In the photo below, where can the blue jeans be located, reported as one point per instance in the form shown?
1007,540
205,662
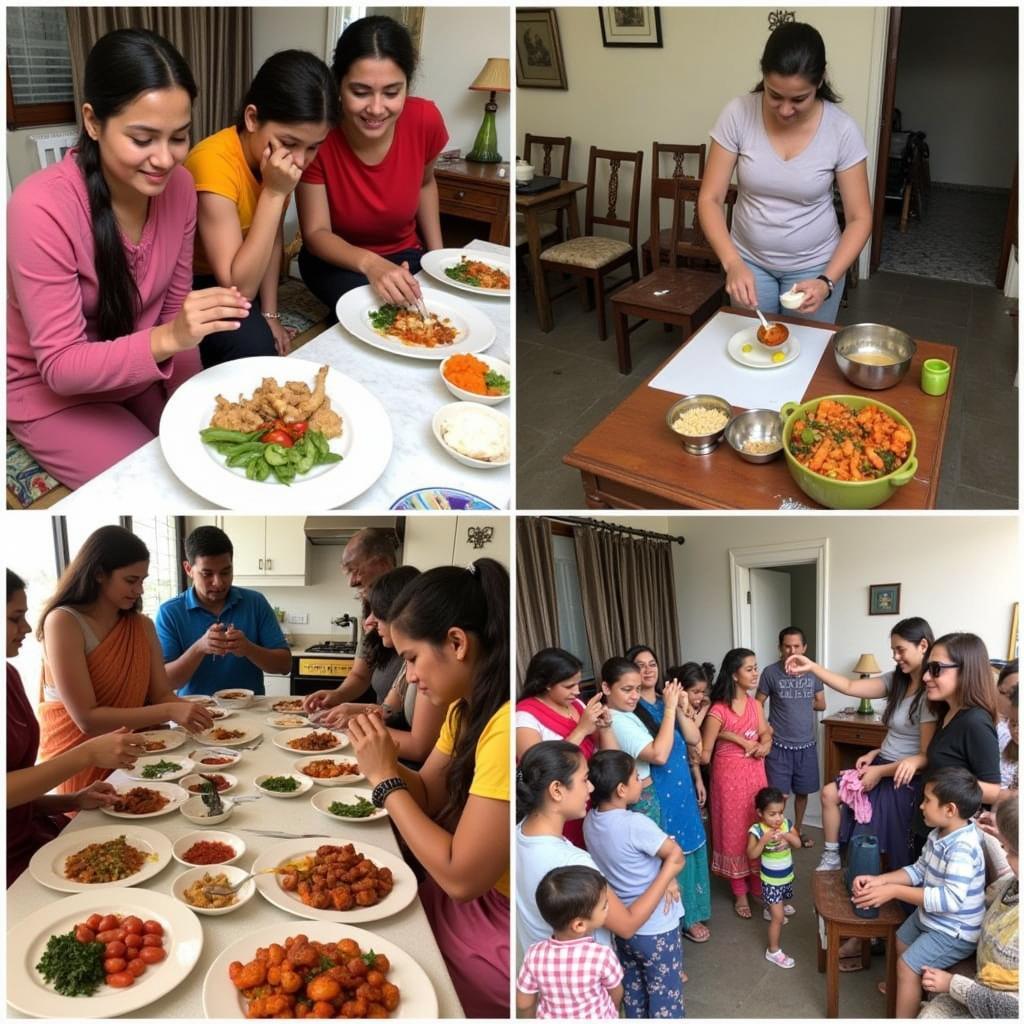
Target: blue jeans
770,285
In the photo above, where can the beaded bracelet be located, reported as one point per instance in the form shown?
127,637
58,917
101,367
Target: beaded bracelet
272,316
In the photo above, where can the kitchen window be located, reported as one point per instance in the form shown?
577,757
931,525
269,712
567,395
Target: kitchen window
163,536
39,88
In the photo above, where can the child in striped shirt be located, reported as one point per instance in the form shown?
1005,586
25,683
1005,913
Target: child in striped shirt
947,883
772,839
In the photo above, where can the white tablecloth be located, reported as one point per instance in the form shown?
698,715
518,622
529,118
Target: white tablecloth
408,929
410,389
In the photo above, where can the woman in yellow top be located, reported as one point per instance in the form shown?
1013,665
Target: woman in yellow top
451,626
245,176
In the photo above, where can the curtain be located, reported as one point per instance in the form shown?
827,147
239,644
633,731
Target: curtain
216,42
410,17
628,594
536,605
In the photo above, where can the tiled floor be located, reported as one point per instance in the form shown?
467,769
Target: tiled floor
569,381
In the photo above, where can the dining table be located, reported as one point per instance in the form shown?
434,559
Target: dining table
632,460
411,391
533,207
408,929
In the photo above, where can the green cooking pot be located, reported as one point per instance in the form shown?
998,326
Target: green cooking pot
846,494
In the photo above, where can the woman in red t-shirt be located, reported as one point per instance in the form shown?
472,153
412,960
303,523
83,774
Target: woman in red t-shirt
368,203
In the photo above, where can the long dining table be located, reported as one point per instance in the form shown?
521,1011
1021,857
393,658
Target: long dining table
408,929
411,391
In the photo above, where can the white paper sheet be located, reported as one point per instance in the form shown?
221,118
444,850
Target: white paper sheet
705,367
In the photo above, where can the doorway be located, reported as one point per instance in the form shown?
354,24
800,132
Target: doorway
945,203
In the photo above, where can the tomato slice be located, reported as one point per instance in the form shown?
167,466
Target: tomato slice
298,429
277,436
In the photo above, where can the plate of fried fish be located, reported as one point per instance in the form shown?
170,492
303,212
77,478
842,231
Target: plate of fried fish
275,433
451,324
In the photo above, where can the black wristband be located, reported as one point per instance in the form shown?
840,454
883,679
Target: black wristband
384,789
828,281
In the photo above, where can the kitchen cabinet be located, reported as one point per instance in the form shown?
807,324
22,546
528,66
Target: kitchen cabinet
269,551
446,540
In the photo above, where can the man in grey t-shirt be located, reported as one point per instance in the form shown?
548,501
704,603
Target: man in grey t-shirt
792,763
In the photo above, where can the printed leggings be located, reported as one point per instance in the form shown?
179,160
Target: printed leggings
653,969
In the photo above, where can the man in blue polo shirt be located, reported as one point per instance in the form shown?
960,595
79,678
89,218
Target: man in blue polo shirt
216,636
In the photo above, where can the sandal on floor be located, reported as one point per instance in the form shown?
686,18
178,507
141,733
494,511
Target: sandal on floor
850,964
806,842
742,910
701,936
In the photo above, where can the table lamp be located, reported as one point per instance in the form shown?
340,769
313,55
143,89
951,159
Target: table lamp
866,667
493,78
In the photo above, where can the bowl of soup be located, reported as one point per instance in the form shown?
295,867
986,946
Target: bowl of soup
873,356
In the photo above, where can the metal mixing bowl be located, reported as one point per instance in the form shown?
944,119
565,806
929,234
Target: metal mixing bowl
873,339
699,444
755,425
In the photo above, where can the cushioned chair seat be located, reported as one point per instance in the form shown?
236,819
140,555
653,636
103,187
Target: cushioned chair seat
587,251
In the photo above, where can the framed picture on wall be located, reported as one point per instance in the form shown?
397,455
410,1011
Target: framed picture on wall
884,599
630,26
539,63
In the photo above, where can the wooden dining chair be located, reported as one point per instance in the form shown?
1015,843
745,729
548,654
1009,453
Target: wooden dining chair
675,296
669,161
591,258
546,143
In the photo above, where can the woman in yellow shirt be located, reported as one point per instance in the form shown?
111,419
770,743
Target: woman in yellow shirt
451,626
245,176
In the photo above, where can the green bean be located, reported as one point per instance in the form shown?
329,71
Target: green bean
212,434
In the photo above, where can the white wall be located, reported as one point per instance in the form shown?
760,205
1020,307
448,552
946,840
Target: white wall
969,110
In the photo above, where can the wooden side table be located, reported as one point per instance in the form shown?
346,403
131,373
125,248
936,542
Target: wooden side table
837,921
847,736
476,192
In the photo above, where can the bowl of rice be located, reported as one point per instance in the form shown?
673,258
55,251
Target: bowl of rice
700,422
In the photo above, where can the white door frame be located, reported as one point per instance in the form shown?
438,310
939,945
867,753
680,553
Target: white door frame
765,556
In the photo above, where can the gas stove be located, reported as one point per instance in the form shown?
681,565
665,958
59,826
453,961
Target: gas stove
332,647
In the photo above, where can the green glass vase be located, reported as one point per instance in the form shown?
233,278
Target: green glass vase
485,148
864,707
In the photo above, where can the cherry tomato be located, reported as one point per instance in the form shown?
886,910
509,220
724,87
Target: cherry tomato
133,941
115,949
121,980
152,940
151,954
85,934
298,429
114,964
153,928
281,437
105,923
94,922
137,967
132,925
111,935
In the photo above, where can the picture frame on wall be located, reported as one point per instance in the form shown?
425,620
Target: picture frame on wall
539,61
884,599
630,26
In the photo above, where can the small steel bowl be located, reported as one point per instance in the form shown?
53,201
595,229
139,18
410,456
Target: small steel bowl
699,444
755,425
873,340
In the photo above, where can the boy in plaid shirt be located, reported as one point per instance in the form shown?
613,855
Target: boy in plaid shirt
947,884
571,976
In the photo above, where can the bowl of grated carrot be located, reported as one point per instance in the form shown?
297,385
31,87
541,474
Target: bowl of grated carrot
477,378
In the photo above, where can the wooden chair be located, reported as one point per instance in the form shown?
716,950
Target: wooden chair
546,143
662,189
591,258
671,295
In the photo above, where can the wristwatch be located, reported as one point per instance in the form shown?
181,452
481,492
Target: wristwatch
384,789
828,281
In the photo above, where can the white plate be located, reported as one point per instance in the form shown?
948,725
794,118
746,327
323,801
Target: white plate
286,720
184,843
341,780
135,772
400,896
200,698
171,738
455,409
218,714
249,733
279,709
222,1000
365,441
437,261
234,875
323,799
177,796
190,780
476,330
198,755
47,863
282,739
757,358
304,781
26,941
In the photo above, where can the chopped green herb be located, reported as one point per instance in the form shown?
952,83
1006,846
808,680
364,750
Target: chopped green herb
362,808
74,968
496,381
280,784
154,771
383,318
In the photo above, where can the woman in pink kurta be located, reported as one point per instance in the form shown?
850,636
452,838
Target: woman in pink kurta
101,324
735,740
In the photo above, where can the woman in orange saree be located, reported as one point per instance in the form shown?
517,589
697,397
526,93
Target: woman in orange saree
103,667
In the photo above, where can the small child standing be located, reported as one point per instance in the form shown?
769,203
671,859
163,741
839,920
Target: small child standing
947,883
772,839
631,850
571,976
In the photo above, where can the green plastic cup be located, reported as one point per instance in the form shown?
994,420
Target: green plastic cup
935,376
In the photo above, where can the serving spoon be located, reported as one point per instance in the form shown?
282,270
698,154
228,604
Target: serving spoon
764,323
230,890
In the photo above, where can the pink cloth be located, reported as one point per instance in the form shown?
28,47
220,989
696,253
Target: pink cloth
735,780
55,358
852,793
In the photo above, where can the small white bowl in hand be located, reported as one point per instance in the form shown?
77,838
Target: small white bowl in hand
189,839
498,365
792,299
305,784
196,811
234,875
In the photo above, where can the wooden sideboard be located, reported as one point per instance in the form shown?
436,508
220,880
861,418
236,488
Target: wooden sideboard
847,736
476,192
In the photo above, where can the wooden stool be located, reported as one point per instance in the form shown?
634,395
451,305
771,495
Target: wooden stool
835,911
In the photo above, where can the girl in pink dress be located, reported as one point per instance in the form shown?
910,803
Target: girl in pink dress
735,740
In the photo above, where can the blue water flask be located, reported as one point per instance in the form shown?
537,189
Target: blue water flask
863,857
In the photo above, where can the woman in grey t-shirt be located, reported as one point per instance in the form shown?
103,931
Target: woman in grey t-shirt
787,141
